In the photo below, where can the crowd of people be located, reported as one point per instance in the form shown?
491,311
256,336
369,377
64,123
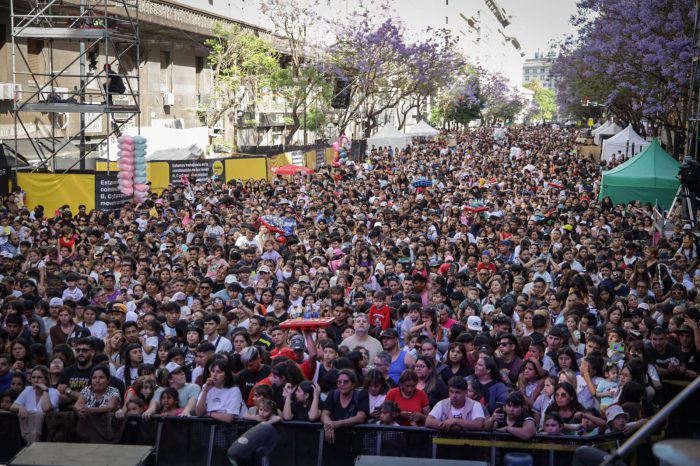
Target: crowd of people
471,287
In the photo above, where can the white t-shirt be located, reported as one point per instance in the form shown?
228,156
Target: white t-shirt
224,400
151,358
134,371
444,410
221,344
27,399
97,329
75,295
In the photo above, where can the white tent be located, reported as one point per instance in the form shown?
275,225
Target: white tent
611,129
389,136
423,129
626,141
168,143
601,127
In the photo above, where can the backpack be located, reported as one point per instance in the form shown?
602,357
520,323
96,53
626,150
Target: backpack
116,84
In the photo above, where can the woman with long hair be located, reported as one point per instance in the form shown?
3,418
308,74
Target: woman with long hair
412,401
457,364
113,347
220,398
566,405
429,381
132,357
376,386
487,373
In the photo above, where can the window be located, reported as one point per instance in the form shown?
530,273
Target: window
165,69
34,49
198,67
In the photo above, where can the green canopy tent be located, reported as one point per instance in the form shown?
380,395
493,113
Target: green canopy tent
650,176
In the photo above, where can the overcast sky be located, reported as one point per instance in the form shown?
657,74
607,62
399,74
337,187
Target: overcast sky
536,22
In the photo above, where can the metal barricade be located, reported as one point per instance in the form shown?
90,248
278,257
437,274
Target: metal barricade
204,441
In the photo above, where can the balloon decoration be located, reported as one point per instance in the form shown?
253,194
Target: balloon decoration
132,167
141,187
342,150
125,162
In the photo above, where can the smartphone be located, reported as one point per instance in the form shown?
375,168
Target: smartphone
236,302
617,347
499,406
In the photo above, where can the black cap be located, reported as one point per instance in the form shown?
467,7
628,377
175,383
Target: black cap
389,333
620,331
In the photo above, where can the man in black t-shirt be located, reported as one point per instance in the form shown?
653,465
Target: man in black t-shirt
689,353
254,371
76,377
666,357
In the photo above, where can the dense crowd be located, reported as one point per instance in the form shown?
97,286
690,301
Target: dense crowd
472,286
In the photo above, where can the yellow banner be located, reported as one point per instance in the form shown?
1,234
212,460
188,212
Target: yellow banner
55,190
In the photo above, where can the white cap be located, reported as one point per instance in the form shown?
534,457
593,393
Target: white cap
179,296
474,323
56,302
230,279
172,367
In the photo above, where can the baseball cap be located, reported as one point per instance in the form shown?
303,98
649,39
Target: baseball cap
230,279
297,343
173,367
56,302
686,329
117,307
389,333
179,296
474,323
264,269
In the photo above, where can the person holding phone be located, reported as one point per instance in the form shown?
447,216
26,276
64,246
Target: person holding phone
513,418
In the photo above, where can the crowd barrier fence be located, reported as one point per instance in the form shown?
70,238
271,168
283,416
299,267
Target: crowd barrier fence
204,441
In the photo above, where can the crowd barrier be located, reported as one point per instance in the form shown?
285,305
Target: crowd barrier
203,441
99,189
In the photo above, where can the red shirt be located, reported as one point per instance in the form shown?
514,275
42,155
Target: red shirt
415,404
380,317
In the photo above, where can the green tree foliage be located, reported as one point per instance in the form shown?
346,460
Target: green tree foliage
299,82
545,100
242,65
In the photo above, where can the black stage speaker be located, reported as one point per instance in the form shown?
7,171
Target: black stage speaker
401,461
78,454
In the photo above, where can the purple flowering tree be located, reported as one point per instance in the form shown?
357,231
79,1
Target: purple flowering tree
384,68
634,56
500,101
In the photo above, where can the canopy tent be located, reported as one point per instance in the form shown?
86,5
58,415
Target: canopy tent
423,129
389,136
601,127
610,130
648,177
626,141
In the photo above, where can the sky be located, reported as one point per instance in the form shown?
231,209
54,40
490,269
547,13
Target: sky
535,28
533,22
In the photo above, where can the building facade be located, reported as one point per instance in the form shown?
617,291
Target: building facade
540,68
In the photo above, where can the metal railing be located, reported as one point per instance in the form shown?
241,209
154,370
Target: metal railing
654,424
204,441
